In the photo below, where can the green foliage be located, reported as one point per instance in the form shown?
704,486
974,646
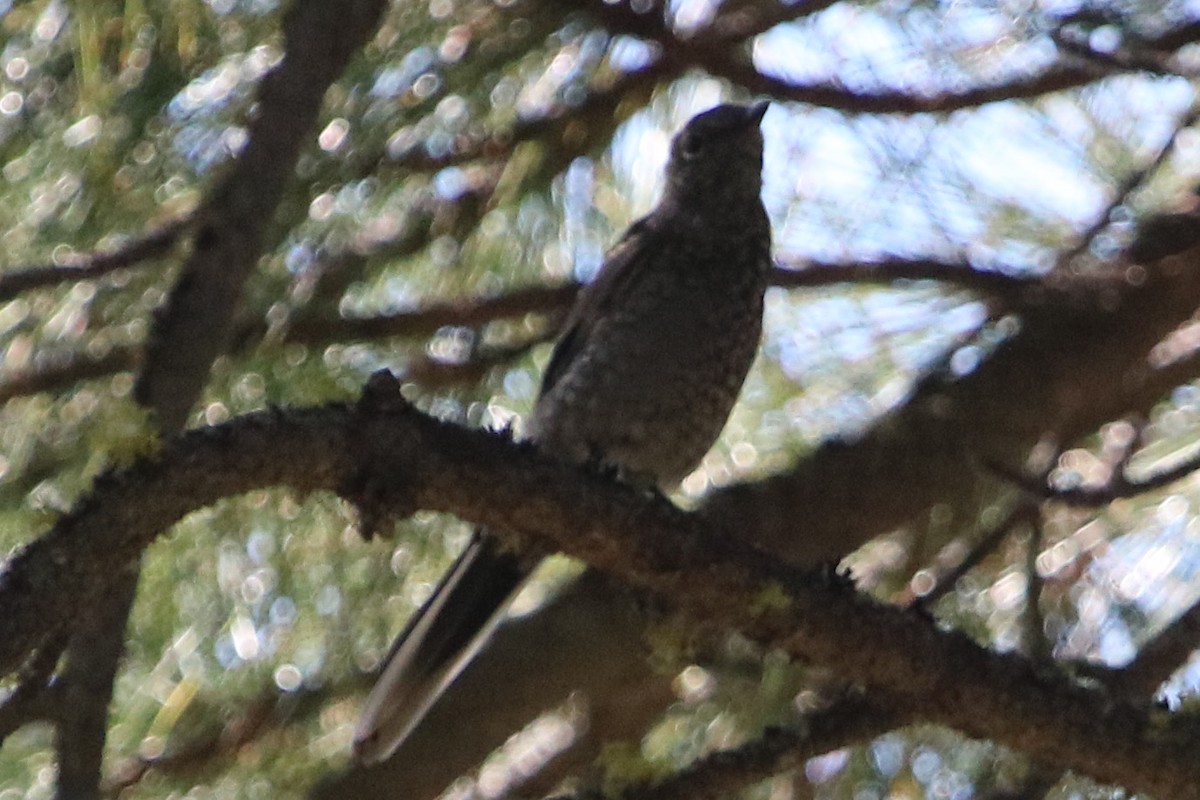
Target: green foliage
118,117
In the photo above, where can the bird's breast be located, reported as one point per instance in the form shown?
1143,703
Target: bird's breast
654,383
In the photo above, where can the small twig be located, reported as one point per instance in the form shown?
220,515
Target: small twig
1033,623
58,373
1156,661
431,373
601,104
1118,488
730,63
740,21
795,273
1126,187
850,720
35,697
92,265
1022,512
1122,59
271,711
471,312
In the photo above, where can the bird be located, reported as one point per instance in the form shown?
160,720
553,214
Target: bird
641,381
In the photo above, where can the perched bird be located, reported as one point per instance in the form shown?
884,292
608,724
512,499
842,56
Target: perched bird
649,364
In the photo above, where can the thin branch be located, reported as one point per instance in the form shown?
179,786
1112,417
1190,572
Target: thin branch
1156,660
326,282
1021,513
848,721
432,374
832,96
791,272
1118,488
59,372
1127,186
1033,623
272,711
1122,59
600,106
35,697
466,313
725,60
93,265
1174,38
741,21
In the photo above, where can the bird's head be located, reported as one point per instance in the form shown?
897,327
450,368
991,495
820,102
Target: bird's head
718,154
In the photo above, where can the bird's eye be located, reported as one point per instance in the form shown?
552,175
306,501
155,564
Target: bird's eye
692,145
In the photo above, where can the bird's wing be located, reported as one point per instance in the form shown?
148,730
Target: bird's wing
638,244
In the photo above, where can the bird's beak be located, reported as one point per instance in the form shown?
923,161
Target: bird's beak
754,113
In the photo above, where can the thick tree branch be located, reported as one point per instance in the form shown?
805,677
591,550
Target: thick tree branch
401,460
1079,360
192,329
86,686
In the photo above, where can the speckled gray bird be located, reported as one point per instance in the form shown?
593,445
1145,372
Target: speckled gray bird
643,378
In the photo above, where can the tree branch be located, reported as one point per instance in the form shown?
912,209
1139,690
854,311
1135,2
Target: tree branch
400,460
271,711
1020,513
192,328
724,59
56,372
1118,488
797,273
1080,358
622,692
85,267
1122,191
598,110
61,371
467,313
848,721
1156,661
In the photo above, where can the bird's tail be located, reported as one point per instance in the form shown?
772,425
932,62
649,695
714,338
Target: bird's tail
437,643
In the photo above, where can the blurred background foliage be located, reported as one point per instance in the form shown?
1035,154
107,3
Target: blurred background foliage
478,147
